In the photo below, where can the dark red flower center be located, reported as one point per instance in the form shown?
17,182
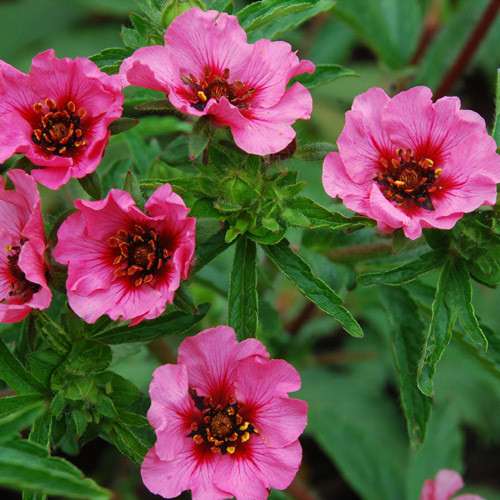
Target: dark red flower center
58,130
407,180
214,85
139,254
20,286
221,427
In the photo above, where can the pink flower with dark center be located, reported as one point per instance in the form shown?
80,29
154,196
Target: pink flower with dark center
23,281
225,425
123,262
410,163
207,68
57,115
446,484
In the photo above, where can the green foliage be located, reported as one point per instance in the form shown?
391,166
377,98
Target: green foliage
312,287
25,465
325,73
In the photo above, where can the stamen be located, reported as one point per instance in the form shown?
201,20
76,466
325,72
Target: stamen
138,255
59,131
221,427
406,180
215,85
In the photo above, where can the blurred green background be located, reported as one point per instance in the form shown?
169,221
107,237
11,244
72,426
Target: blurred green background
356,445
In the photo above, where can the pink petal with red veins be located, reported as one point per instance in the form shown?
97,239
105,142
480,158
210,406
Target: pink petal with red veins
337,182
148,67
364,140
200,38
263,387
170,478
211,359
268,130
268,69
170,408
261,468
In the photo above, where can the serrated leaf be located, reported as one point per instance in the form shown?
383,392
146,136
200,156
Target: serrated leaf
26,466
320,217
18,413
452,303
242,303
13,373
271,18
56,336
408,339
110,57
312,287
133,186
128,440
174,323
324,74
405,273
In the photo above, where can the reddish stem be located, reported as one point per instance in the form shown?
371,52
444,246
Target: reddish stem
469,48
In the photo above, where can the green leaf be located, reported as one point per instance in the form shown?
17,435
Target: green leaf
390,28
272,18
13,373
174,323
312,287
87,357
359,430
242,307
132,185
207,250
199,138
314,152
18,413
452,303
220,5
442,450
496,127
408,339
320,217
26,466
131,441
406,272
325,73
42,430
111,58
91,184
122,125
57,337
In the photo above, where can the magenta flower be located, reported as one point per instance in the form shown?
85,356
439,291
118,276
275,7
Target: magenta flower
410,163
23,281
122,262
446,484
207,68
57,115
225,425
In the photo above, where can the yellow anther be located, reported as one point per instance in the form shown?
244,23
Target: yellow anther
202,96
438,171
245,426
230,449
245,437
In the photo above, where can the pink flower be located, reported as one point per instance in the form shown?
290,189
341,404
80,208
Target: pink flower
207,68
57,115
446,484
23,282
225,425
122,262
410,163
